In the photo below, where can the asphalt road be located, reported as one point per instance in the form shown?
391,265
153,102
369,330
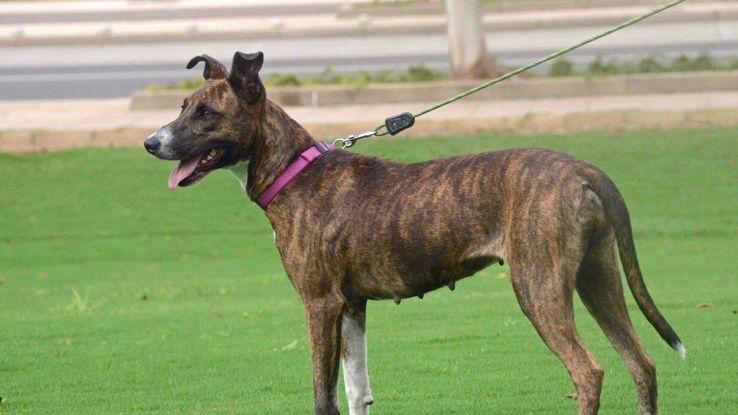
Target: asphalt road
97,71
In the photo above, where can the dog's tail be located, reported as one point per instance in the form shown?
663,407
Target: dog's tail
619,218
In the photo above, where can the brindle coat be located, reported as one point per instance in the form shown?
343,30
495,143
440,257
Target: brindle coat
352,228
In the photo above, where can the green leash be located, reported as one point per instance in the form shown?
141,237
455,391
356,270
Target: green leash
397,123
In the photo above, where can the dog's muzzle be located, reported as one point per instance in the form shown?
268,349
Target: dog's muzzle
159,143
152,144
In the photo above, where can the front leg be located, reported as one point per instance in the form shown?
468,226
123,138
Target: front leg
353,356
324,324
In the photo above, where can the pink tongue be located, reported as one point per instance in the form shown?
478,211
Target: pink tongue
183,171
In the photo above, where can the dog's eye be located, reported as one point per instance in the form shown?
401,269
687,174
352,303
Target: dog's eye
205,112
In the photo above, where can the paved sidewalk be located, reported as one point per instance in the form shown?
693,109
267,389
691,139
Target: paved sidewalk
39,126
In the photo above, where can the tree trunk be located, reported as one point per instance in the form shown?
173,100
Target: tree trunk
467,48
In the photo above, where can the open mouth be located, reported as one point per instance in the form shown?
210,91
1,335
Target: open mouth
192,170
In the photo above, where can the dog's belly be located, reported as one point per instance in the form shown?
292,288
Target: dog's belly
399,275
432,231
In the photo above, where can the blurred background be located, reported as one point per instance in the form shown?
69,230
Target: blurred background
123,61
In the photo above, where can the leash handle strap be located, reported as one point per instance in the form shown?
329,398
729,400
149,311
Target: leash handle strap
302,162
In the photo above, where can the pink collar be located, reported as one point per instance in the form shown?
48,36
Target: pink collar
305,159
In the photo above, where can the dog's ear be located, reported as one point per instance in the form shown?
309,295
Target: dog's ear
213,68
244,77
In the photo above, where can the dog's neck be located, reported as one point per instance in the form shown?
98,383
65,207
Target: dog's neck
280,142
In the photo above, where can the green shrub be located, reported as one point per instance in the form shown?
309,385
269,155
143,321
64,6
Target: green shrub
601,67
650,65
282,80
681,63
561,67
186,84
704,62
420,73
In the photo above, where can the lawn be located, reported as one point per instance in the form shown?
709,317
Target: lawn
119,296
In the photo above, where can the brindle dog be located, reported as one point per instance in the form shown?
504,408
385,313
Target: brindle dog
352,228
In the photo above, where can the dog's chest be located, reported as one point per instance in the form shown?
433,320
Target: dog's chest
241,171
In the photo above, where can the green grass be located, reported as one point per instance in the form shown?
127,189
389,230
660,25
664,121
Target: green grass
119,296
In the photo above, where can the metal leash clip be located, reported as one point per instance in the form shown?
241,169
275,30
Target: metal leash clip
350,140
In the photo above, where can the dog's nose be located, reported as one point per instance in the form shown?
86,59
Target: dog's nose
152,144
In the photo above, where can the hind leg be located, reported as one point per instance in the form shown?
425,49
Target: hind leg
601,291
546,298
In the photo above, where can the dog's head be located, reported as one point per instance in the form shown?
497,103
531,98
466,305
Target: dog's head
219,122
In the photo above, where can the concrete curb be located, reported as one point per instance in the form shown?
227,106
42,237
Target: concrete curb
42,141
527,88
